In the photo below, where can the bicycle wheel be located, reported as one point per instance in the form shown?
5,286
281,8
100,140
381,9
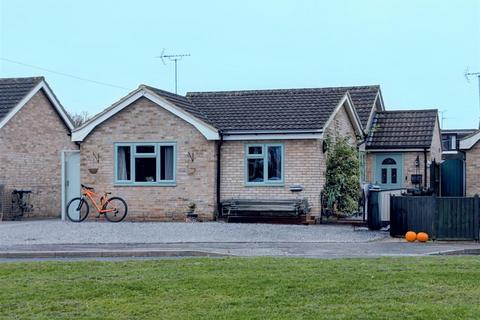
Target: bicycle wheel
77,210
118,208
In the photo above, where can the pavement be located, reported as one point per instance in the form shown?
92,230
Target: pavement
56,240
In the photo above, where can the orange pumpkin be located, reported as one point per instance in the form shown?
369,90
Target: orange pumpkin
410,236
422,237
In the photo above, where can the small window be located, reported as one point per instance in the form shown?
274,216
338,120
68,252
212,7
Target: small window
394,175
123,163
145,169
384,175
166,162
252,150
264,164
274,163
388,161
255,170
145,149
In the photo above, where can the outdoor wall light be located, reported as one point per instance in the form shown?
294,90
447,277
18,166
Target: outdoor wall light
417,162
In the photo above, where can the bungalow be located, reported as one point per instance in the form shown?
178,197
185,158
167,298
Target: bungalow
161,151
34,130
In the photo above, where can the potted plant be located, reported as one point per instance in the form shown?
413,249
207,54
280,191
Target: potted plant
191,215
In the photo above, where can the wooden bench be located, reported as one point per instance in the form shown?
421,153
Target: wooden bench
249,208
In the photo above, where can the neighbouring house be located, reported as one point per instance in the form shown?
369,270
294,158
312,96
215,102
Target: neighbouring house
34,130
401,146
470,149
161,151
453,162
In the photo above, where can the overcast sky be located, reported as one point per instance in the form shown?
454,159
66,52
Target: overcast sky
416,50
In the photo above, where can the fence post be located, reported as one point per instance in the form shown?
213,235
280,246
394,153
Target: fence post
436,217
476,217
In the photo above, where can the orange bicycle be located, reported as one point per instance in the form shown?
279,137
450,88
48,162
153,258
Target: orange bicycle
115,208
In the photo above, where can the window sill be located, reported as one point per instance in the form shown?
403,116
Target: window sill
262,184
166,184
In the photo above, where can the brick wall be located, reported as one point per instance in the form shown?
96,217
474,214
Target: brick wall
144,121
304,165
472,170
30,156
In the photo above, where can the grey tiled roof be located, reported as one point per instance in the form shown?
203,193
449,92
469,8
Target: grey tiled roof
402,129
12,90
179,101
281,109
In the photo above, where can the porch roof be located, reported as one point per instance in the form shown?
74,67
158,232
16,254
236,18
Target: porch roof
402,129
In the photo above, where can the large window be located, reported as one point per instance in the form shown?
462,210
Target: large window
264,164
145,163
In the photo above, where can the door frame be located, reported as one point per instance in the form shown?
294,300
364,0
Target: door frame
64,171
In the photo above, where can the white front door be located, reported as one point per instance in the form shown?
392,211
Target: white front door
71,178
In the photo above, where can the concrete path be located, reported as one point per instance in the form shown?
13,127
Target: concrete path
63,240
326,250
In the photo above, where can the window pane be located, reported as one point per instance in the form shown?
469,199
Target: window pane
255,170
384,175
166,162
123,163
255,150
145,169
145,149
275,163
389,161
394,175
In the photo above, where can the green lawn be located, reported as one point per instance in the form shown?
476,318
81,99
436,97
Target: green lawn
243,288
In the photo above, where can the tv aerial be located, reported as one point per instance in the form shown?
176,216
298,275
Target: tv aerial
175,58
468,75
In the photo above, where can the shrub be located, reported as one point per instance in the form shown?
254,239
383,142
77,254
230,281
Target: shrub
342,185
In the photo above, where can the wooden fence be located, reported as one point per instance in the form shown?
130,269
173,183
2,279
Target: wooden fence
443,218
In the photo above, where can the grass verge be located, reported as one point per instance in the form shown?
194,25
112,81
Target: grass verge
243,288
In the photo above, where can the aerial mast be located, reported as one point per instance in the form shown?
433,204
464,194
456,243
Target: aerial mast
175,58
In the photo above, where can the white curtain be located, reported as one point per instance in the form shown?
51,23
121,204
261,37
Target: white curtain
168,162
122,164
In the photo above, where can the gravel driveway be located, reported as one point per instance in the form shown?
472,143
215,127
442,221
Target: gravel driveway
58,232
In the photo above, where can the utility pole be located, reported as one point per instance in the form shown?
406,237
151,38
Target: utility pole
174,58
475,74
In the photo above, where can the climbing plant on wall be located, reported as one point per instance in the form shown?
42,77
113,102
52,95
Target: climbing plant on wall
342,184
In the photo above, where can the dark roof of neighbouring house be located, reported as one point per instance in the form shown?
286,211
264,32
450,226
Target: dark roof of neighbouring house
13,90
402,129
461,133
280,109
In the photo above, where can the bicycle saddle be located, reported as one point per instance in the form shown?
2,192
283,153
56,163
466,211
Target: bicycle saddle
88,188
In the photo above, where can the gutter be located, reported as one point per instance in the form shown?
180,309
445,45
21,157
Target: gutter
219,171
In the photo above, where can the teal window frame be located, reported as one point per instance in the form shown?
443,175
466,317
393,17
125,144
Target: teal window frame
264,156
134,155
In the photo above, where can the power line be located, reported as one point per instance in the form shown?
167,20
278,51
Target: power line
65,74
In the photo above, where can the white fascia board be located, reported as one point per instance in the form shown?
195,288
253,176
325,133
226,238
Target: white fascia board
286,131
469,142
399,150
279,136
352,113
207,131
51,97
